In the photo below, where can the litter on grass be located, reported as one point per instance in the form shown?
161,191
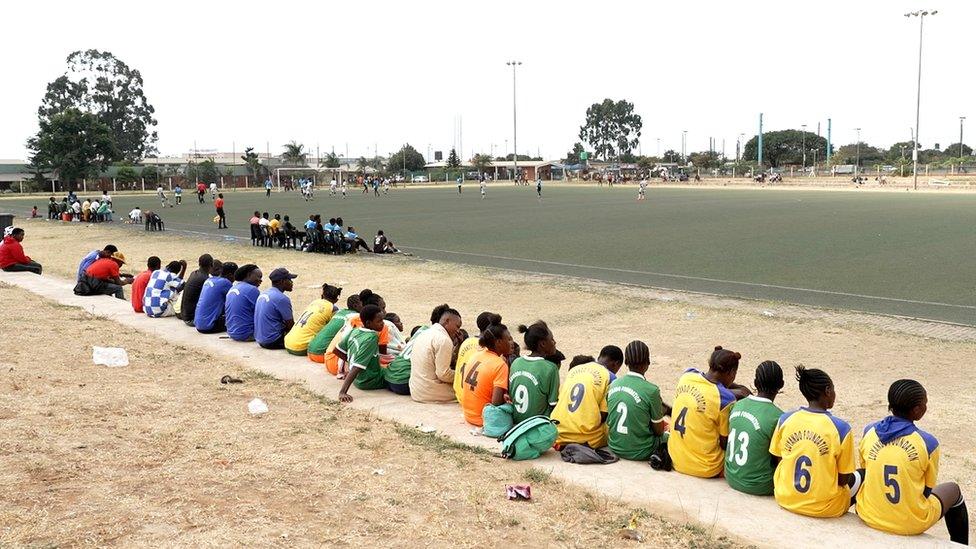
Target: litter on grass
426,428
257,407
518,492
113,357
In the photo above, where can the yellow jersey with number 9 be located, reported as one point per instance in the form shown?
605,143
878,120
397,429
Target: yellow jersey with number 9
699,416
582,401
815,447
901,466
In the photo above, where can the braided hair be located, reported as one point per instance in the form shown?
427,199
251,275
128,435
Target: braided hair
491,334
769,377
723,360
813,382
535,333
903,395
637,353
486,319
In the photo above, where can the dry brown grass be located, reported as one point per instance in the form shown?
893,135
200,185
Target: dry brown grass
160,453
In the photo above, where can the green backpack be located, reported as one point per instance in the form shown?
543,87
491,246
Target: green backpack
497,420
531,438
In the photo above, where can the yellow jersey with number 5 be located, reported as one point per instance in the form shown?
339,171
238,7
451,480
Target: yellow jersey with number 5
815,447
699,417
582,401
901,466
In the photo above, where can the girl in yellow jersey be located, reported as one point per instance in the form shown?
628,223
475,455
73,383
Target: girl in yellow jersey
815,475
581,410
901,465
700,415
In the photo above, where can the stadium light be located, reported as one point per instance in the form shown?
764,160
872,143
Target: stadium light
857,156
961,120
803,141
514,64
918,90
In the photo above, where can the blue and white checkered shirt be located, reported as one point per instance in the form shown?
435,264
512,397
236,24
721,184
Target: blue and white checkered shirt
162,285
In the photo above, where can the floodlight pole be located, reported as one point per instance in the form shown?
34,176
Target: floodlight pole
918,91
803,141
961,120
857,154
759,153
514,64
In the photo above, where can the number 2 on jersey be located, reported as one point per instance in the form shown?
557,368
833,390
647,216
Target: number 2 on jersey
622,410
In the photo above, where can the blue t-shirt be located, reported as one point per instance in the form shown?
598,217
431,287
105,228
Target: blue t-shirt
86,262
328,227
211,303
271,311
239,311
310,224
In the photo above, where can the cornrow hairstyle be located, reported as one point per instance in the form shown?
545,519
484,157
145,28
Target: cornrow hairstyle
486,319
369,313
723,360
769,377
813,382
491,334
903,395
438,312
354,303
369,298
535,334
580,359
244,271
637,353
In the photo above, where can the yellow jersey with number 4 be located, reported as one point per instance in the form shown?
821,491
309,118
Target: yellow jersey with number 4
699,417
582,401
815,448
901,466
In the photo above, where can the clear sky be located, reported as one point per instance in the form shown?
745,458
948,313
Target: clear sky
371,74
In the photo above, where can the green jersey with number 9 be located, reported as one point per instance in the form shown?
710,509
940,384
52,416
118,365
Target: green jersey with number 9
633,403
533,383
748,463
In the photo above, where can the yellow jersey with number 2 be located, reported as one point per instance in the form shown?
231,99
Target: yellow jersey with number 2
582,401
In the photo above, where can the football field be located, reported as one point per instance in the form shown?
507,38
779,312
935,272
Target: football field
910,254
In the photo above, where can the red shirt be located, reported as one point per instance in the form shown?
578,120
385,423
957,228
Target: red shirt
12,252
103,269
139,284
201,187
219,203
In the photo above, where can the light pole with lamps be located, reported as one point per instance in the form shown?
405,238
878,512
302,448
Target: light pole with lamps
961,120
514,64
857,154
684,141
918,90
803,141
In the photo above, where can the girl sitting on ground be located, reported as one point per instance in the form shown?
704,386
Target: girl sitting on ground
533,381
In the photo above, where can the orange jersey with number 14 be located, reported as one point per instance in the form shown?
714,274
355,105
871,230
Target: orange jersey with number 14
484,371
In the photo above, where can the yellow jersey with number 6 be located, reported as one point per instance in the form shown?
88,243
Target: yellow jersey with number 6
582,401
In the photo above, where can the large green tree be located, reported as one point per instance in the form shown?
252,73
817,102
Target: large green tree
611,127
97,82
453,161
785,147
481,162
73,144
573,156
406,158
294,153
852,154
330,161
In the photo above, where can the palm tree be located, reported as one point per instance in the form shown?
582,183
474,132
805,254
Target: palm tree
294,153
362,164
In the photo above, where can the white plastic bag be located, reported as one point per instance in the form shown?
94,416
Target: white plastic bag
257,407
113,357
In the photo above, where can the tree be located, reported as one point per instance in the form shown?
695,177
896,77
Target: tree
573,156
704,159
453,161
97,82
74,144
362,164
785,147
205,171
126,174
672,156
850,154
511,156
952,150
330,161
294,154
406,158
150,173
481,162
900,151
253,164
611,127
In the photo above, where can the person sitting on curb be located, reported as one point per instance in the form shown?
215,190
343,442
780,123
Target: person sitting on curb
12,256
92,256
141,280
239,303
163,290
194,285
209,317
102,277
272,312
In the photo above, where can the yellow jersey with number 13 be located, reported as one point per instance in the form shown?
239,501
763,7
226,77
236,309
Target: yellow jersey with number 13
582,401
815,447
699,417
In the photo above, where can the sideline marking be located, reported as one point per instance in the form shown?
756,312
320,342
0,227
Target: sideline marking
700,278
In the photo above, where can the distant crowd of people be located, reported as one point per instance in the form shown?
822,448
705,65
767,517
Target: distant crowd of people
72,208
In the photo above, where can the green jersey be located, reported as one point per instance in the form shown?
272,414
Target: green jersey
533,383
362,349
321,341
748,464
398,371
633,404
